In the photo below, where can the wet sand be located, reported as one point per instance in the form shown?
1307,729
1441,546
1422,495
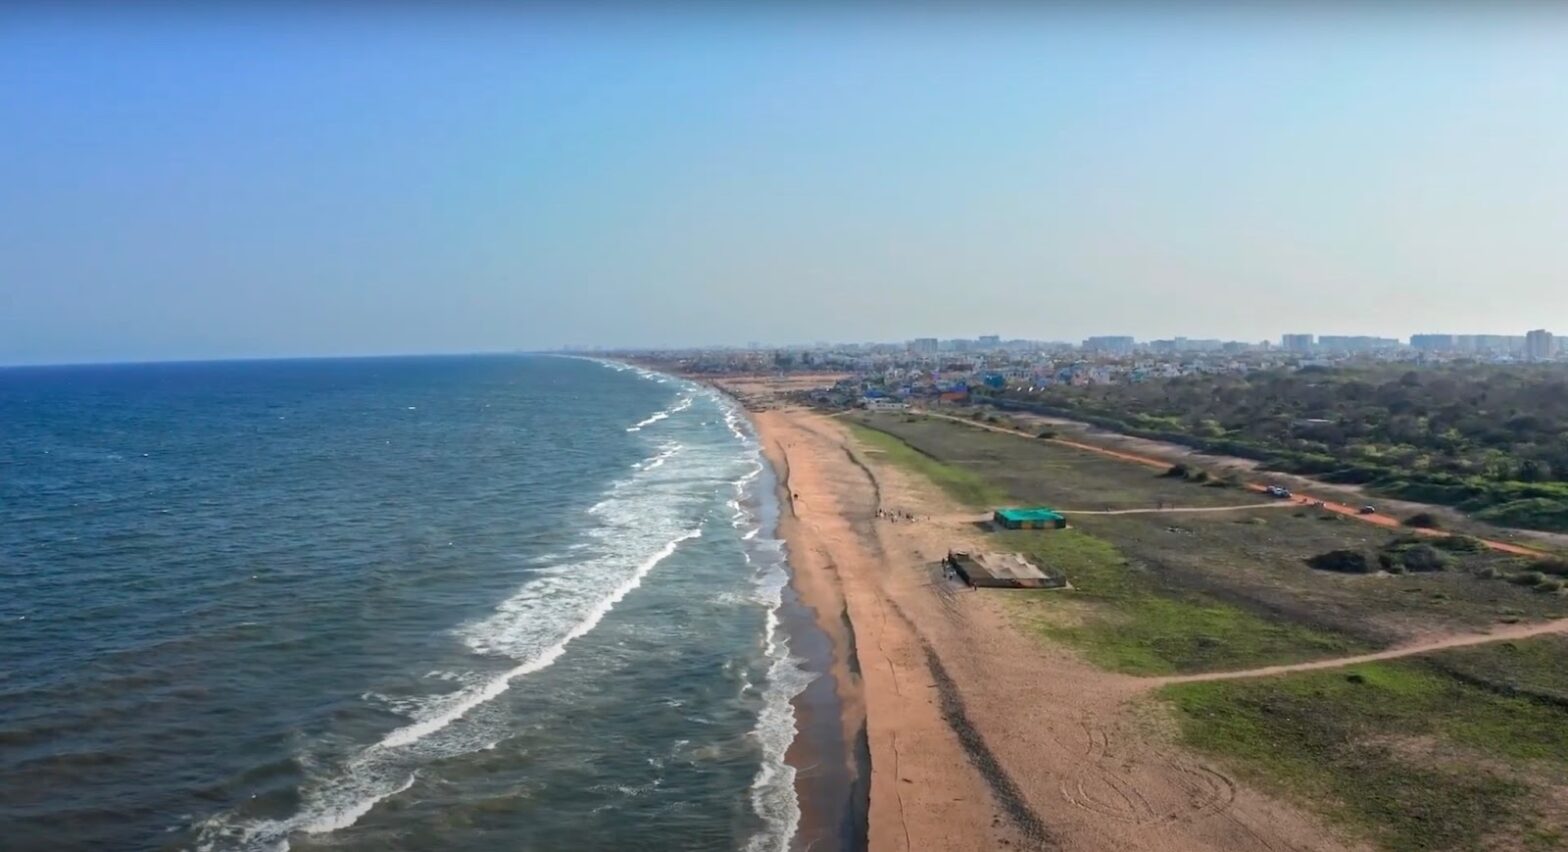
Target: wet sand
978,734
829,751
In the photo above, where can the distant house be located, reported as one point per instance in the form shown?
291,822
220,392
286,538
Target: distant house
882,403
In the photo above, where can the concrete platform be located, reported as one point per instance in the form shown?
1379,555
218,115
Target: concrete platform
1003,571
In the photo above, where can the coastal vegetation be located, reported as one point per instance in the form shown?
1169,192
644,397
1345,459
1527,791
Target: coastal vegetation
1256,560
1462,749
1034,471
962,485
1487,439
1449,752
1122,620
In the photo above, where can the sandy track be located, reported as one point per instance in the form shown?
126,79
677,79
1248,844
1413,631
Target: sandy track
974,518
1181,509
1430,646
1300,498
981,736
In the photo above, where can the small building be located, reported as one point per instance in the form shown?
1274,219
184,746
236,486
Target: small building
1002,571
882,403
1029,518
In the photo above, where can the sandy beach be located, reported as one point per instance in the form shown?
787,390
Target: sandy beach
980,735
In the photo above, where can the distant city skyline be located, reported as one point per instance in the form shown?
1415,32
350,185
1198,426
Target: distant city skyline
255,182
1534,343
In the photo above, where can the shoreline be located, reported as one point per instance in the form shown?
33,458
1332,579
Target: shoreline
970,730
977,734
829,752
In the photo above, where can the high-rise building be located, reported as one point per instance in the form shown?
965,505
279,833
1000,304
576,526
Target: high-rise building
1434,342
1540,345
1499,344
990,341
923,345
1113,344
1296,342
1355,343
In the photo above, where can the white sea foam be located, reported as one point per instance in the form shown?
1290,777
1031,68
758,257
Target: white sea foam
665,453
654,418
773,790
639,522
345,817
493,633
683,404
642,521
375,774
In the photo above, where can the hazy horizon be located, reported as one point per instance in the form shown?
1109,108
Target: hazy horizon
185,186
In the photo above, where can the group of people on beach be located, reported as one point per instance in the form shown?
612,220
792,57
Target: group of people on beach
895,517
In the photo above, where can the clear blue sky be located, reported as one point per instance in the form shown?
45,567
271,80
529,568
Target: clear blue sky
258,184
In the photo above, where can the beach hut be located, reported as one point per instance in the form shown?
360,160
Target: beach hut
1029,518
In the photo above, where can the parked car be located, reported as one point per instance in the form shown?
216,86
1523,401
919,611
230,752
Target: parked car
1367,510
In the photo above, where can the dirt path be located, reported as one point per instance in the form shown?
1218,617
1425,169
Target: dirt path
981,736
980,518
1340,508
1427,646
1181,509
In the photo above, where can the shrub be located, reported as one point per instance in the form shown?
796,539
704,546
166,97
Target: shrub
1046,434
1460,544
1422,520
1424,558
1557,567
1527,578
1200,476
1486,572
1177,471
1536,513
1549,585
1342,561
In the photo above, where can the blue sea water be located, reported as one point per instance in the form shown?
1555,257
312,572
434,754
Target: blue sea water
441,603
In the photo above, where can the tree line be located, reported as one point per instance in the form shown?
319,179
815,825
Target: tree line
1489,439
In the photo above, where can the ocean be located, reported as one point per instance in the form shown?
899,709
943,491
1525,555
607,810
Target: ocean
501,602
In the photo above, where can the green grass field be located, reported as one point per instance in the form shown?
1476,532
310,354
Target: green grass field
1464,750
1033,471
1402,752
965,486
1122,619
1252,561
